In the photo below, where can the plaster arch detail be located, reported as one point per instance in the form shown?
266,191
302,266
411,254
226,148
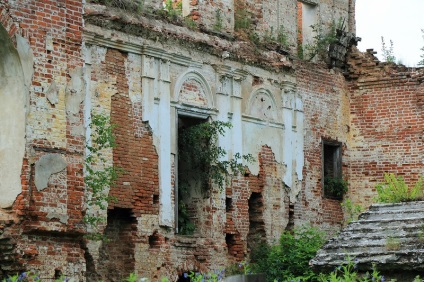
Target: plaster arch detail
262,105
192,88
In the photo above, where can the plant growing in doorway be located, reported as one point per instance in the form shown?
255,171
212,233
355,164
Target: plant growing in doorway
204,165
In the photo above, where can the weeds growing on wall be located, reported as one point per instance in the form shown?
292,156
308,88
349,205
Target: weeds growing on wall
218,21
199,146
335,187
421,63
351,211
395,190
127,5
204,162
98,176
387,51
280,37
174,10
320,42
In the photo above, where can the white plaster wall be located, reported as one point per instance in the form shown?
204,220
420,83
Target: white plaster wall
257,135
310,17
13,97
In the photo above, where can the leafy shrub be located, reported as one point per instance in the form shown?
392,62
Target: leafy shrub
290,258
387,52
348,273
395,190
335,187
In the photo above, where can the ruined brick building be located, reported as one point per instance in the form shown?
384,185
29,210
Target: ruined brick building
154,66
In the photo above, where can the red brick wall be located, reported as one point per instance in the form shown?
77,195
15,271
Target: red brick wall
387,124
62,22
326,117
138,186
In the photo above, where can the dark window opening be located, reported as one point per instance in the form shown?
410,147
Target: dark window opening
117,252
190,184
155,240
334,185
256,233
228,204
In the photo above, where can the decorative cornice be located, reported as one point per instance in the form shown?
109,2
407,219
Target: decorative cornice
93,38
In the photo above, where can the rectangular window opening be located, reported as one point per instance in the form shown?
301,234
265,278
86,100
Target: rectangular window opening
334,185
307,18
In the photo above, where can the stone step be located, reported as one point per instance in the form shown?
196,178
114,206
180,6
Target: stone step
397,207
386,242
392,215
388,234
370,226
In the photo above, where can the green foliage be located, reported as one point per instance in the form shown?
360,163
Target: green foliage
348,273
174,11
190,23
242,20
199,148
417,279
203,160
350,211
421,63
290,258
387,52
335,187
218,20
127,5
280,37
185,225
99,177
131,278
392,243
395,190
320,42
212,276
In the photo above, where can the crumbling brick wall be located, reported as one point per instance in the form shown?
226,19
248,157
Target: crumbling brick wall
143,72
326,105
44,238
387,123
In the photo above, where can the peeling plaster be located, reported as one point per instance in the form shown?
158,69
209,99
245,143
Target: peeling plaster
74,96
75,91
51,94
45,167
15,76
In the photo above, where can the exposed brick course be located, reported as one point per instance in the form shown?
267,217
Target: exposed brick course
129,67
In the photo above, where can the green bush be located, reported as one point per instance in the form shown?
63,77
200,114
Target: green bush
335,187
395,190
290,258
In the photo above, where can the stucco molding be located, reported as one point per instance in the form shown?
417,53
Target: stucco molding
93,38
195,75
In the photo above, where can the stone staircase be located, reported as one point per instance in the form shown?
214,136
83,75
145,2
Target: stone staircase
391,236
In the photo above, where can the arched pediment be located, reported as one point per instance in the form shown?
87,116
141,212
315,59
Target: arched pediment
262,105
192,89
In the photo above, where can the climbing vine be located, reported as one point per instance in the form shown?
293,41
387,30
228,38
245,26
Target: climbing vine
199,147
99,177
204,165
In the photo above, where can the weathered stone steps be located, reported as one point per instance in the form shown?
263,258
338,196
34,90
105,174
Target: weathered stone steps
390,235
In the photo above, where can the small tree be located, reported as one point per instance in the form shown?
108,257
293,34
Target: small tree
388,55
421,63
